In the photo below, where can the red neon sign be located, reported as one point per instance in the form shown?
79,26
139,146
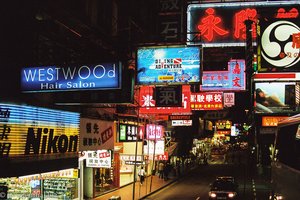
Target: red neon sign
147,102
210,25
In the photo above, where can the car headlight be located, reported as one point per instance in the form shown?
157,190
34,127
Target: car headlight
212,195
231,194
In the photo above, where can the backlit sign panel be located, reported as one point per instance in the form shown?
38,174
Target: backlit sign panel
276,97
207,101
98,159
280,45
130,133
232,79
148,104
27,130
57,78
96,134
154,131
173,65
272,120
223,24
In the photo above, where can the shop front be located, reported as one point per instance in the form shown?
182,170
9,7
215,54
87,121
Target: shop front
39,158
62,184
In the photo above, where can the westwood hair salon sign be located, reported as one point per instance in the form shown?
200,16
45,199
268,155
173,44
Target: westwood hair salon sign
86,77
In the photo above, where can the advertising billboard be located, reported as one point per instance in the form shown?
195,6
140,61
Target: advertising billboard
223,24
86,77
276,97
173,65
27,130
234,78
280,44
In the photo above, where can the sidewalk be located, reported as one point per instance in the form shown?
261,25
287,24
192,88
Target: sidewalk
126,192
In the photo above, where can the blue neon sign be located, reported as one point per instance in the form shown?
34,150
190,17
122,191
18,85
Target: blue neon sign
86,77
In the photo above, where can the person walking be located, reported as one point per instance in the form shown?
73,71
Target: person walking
161,167
141,174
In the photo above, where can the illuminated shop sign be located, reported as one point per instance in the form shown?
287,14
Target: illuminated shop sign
148,104
272,120
154,131
182,122
27,130
130,133
96,134
232,79
280,45
168,96
223,125
164,156
224,23
99,159
276,97
207,101
174,65
56,78
154,147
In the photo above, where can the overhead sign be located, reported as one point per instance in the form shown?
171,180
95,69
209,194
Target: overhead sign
272,120
223,24
27,130
173,65
130,133
276,97
154,131
280,45
147,102
99,159
96,134
207,101
168,96
232,79
182,122
57,78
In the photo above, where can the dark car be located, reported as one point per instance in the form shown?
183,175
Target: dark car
223,188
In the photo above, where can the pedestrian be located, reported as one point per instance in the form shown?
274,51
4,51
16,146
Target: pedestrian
161,167
141,174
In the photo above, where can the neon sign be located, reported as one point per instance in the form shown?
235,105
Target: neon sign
56,78
223,24
232,79
207,101
148,103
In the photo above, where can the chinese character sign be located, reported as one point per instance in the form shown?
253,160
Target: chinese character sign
232,79
148,104
224,23
98,159
207,101
154,131
96,134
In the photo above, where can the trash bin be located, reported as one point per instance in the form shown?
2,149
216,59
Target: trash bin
115,198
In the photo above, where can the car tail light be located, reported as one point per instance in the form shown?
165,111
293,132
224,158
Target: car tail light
212,195
231,194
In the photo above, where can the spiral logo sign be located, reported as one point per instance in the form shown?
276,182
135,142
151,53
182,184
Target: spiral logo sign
278,44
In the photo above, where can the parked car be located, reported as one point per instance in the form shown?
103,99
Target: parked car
223,187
